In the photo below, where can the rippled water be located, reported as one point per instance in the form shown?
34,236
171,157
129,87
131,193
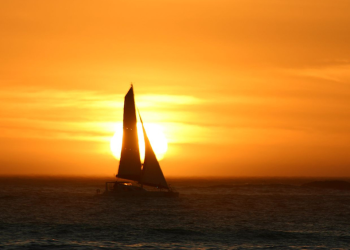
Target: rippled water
62,213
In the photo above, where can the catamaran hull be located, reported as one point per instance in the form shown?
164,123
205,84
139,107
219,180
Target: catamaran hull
142,194
126,189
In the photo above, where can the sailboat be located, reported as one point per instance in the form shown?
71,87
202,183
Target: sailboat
147,174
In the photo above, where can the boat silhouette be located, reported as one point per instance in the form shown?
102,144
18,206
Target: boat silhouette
133,176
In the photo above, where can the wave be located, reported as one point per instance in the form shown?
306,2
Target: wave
237,186
177,231
7,197
330,184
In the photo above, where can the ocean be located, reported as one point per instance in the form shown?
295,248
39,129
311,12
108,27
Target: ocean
231,213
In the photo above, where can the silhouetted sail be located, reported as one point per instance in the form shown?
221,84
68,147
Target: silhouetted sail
152,174
130,163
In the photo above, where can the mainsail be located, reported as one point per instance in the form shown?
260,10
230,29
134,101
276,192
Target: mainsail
152,174
130,163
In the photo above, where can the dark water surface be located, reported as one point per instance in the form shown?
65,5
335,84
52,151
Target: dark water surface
62,213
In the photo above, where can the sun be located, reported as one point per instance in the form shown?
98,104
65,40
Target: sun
155,134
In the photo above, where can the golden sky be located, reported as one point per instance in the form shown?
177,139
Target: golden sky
241,88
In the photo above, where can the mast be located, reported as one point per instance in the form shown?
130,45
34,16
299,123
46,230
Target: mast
130,163
152,174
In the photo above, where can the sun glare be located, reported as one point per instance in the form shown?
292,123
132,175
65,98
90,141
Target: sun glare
155,135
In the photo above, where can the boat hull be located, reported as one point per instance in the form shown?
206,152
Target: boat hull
142,194
125,189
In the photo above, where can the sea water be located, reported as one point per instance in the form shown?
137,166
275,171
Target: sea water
237,213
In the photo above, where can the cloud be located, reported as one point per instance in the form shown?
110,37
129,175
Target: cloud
339,73
76,115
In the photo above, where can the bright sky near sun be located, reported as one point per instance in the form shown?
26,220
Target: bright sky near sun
239,88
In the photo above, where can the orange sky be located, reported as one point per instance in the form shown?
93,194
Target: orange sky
241,88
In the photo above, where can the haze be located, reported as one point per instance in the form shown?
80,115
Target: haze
241,88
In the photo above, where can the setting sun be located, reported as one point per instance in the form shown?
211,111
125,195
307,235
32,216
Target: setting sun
155,134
